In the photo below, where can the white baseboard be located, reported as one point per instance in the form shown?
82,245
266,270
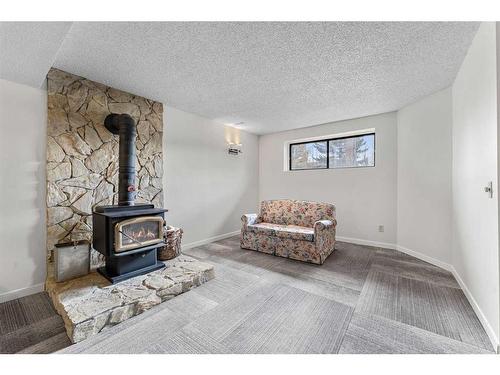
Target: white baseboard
482,318
18,293
359,241
475,306
425,258
209,240
4,297
479,313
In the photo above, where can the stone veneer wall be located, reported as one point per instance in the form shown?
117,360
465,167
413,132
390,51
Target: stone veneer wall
82,155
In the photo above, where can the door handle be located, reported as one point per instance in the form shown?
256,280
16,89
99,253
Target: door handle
489,189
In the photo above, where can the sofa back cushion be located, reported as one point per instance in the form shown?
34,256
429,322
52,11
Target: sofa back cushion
293,212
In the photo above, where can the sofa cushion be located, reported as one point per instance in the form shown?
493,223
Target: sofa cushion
284,231
293,212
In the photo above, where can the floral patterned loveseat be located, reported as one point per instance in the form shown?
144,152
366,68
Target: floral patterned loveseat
292,229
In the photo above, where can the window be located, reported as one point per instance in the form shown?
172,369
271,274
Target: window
344,152
310,155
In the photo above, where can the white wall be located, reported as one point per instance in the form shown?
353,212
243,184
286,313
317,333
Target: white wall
424,176
23,113
475,215
365,197
207,190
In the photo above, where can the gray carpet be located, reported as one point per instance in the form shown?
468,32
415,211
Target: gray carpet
362,300
371,334
31,325
432,307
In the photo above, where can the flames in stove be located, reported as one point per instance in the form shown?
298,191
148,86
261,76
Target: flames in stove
138,232
141,235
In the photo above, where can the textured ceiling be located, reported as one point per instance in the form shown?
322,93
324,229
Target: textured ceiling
271,76
28,50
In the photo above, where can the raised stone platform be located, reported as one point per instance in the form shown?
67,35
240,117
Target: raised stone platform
90,303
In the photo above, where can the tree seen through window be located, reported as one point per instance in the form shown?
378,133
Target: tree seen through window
346,152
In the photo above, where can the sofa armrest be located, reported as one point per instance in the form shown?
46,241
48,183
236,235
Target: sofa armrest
324,224
324,237
248,219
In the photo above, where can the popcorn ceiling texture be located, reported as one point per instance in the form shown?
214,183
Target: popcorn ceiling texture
274,76
82,155
29,49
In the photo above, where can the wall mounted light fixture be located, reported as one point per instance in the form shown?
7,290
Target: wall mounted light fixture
234,149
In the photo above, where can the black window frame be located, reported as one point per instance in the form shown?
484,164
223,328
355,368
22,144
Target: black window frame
327,140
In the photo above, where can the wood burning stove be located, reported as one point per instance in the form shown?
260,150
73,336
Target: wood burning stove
128,235
126,258
138,232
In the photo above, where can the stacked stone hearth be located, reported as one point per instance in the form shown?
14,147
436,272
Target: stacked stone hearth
82,155
82,172
89,304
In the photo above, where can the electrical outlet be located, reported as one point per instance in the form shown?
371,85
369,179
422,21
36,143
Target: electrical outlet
380,228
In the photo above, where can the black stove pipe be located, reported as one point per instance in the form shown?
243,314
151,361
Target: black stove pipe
124,125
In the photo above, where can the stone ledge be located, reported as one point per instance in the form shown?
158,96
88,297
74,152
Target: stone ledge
90,303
